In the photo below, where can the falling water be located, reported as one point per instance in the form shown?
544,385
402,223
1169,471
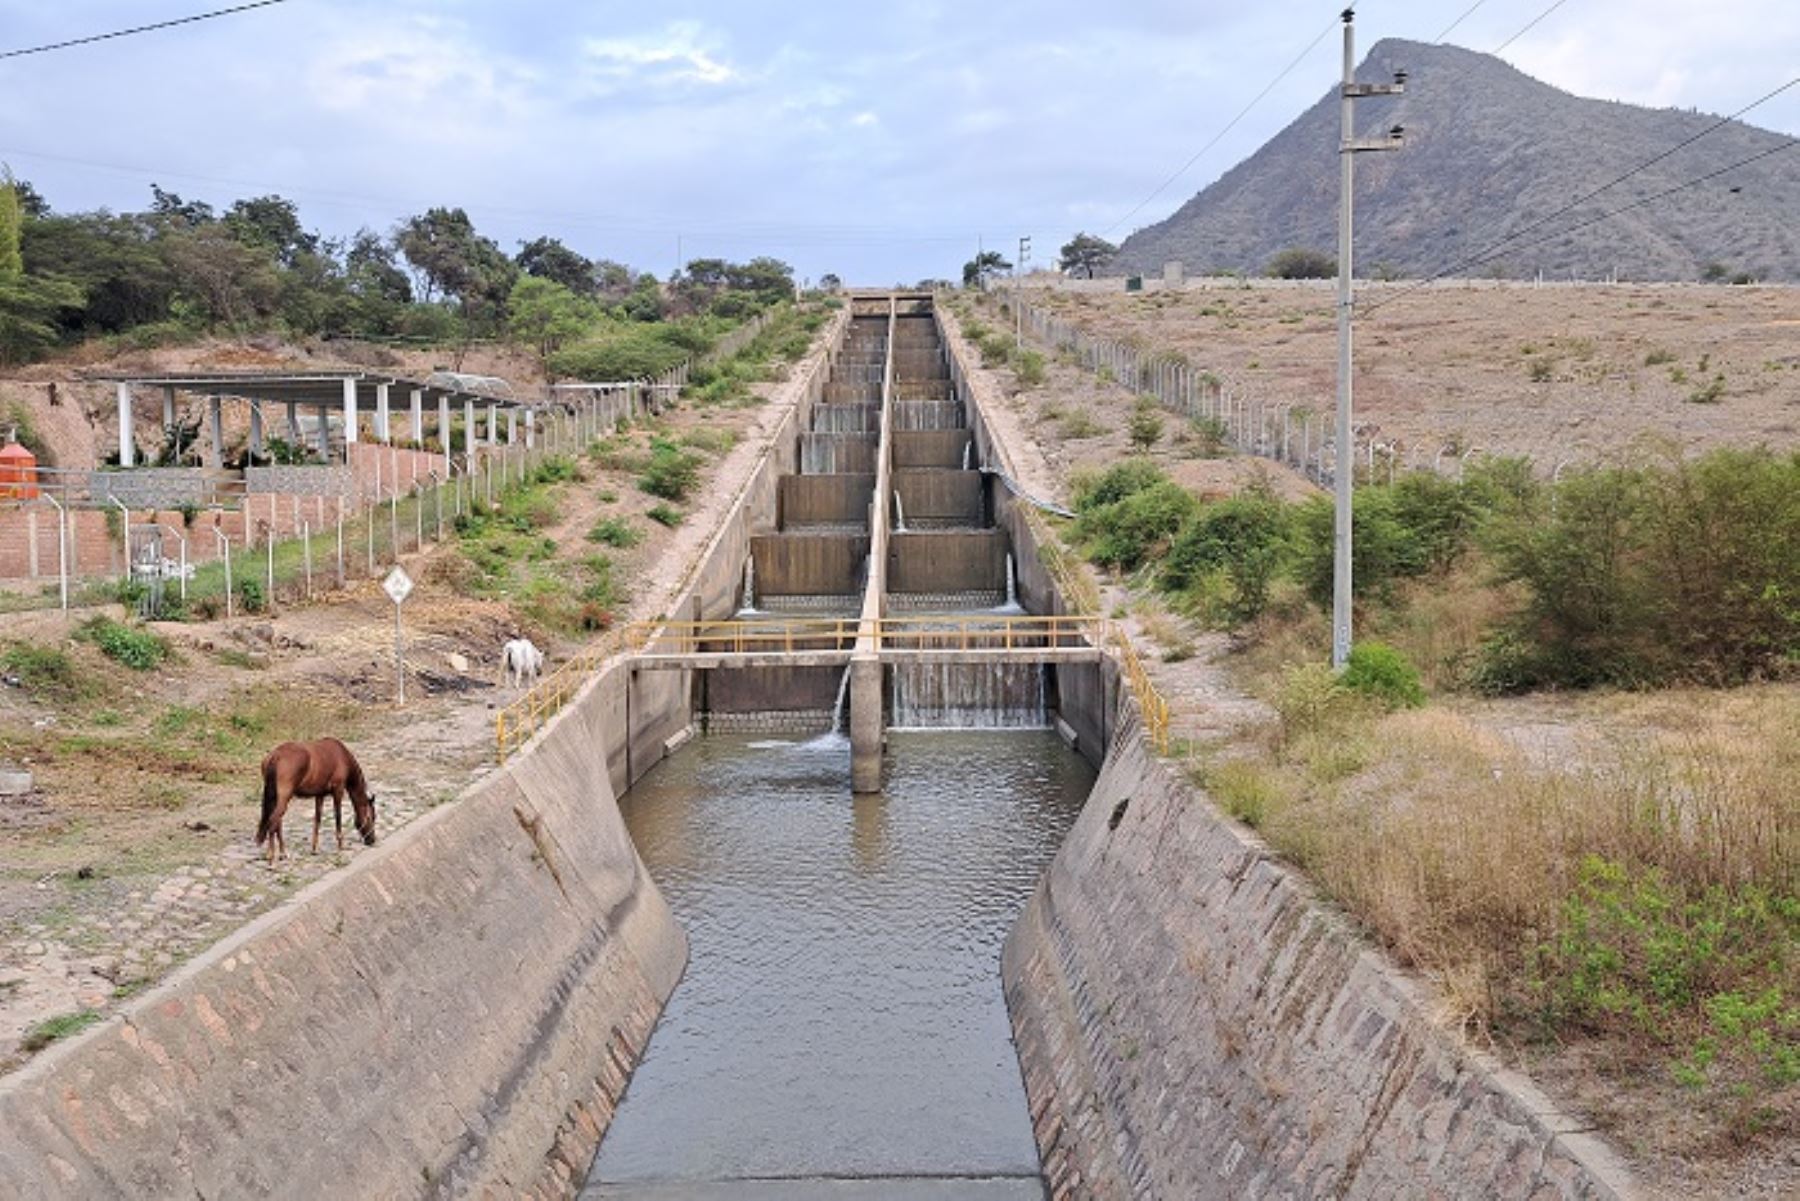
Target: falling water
968,449
837,709
969,696
899,514
749,584
1012,584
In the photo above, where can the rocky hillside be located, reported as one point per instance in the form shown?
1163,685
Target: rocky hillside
1490,150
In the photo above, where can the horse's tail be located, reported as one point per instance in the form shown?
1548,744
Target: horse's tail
267,825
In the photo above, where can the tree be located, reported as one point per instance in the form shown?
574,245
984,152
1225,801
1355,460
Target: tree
116,262
170,209
771,280
1297,262
983,267
31,201
273,224
12,227
829,282
548,258
545,315
1086,253
232,283
28,306
1146,424
451,259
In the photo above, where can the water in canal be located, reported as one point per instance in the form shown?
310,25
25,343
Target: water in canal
840,1031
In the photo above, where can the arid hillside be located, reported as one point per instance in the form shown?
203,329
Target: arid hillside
1558,373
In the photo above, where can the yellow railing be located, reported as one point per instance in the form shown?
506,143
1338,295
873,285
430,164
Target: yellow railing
989,632
1152,708
516,723
743,636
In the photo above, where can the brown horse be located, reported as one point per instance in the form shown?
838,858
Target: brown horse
320,769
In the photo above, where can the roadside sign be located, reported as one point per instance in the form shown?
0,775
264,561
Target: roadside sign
398,585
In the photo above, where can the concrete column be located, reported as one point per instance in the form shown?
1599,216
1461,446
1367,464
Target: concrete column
383,428
530,428
349,416
416,431
256,429
127,443
215,432
444,425
169,418
468,427
493,425
324,435
512,426
865,723
293,408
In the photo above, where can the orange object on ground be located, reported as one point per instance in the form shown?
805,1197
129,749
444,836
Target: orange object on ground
18,473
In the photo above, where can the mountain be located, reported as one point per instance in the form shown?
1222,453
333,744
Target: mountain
1489,150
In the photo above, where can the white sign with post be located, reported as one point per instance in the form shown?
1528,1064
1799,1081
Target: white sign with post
398,585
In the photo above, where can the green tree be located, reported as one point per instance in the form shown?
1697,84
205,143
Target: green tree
983,267
548,258
545,315
1086,253
272,224
1297,262
168,208
28,306
233,284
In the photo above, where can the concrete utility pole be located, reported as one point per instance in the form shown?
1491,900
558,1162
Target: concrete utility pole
1018,305
1345,463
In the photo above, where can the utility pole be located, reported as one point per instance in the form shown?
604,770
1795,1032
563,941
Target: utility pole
1345,465
1018,292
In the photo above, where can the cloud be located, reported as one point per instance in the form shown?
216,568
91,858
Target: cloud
681,53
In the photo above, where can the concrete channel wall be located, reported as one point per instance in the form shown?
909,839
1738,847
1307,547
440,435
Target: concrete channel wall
456,1013
1192,1022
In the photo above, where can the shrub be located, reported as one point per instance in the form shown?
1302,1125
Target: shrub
1210,436
1299,263
615,532
664,515
251,595
1129,532
1029,369
137,649
1115,483
1076,424
1232,551
1383,551
1146,425
1382,674
671,473
42,670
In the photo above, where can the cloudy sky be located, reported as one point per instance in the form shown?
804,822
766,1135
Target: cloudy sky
878,141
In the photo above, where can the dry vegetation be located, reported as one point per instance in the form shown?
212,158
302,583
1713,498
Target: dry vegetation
1604,885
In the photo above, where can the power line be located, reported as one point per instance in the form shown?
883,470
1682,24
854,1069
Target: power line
125,33
1467,12
1494,251
1482,255
1529,27
1219,136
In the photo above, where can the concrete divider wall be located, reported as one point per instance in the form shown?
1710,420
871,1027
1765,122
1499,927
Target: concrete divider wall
809,564
930,448
1192,1023
947,561
829,499
457,1012
941,495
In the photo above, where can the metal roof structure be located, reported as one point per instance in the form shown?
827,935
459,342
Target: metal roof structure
326,386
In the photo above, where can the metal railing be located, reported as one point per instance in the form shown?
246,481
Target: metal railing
990,632
515,724
743,636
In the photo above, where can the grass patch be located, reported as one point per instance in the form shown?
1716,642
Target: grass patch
665,515
46,672
55,1029
617,532
138,649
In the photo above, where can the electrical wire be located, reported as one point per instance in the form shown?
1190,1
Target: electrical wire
1219,136
1529,27
1495,251
125,33
1467,12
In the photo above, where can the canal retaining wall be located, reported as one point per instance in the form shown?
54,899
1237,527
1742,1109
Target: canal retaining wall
457,1012
1193,1023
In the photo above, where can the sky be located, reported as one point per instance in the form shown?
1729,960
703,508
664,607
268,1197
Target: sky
880,142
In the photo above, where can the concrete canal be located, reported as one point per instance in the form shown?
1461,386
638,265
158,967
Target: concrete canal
842,1017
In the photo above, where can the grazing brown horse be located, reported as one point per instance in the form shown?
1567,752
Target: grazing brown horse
320,769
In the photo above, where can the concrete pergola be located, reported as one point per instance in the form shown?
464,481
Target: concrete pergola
348,392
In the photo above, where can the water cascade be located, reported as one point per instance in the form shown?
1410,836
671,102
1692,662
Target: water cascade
837,709
1012,584
969,696
899,515
968,449
749,605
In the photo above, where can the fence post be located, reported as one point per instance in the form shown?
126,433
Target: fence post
371,516
340,545
306,542
225,543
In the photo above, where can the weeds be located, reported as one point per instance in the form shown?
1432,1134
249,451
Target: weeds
51,1030
137,649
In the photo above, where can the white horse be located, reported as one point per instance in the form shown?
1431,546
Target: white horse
520,659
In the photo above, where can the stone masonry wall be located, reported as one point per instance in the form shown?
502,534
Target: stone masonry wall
1193,1024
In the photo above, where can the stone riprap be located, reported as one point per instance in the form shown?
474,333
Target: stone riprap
1192,1023
457,1012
